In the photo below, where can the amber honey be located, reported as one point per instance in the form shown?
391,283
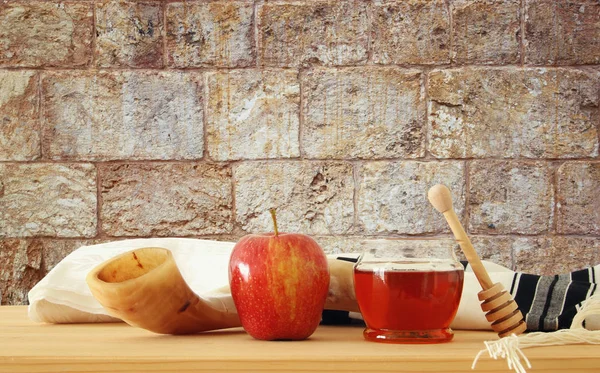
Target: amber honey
408,306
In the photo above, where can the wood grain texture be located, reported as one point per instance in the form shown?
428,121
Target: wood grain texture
29,347
441,198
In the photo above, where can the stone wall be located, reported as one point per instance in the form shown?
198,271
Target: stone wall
123,119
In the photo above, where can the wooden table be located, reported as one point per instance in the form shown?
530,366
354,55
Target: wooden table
29,347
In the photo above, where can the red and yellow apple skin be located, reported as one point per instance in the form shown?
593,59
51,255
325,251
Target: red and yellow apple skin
279,283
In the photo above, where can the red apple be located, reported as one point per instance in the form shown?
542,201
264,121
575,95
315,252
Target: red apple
279,283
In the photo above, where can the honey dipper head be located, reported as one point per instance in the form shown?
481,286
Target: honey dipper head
440,197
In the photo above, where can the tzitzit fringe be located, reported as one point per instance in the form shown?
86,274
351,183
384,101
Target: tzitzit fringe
509,348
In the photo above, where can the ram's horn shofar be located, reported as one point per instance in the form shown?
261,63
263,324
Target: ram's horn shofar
145,289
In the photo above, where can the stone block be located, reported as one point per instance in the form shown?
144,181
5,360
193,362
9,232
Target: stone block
219,34
395,248
123,115
129,34
46,33
164,199
411,32
312,197
513,113
363,113
19,116
500,250
47,199
562,32
253,114
316,32
392,196
578,198
508,197
557,255
20,269
486,31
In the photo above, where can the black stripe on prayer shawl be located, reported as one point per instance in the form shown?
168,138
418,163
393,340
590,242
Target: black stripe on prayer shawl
566,318
582,275
594,283
578,289
525,292
335,317
345,259
514,282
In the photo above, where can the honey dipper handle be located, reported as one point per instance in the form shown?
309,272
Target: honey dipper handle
440,197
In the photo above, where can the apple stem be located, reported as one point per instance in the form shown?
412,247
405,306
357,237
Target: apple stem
274,221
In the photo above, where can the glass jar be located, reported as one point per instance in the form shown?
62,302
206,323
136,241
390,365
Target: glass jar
408,291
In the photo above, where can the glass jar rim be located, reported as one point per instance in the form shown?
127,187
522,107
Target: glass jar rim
403,250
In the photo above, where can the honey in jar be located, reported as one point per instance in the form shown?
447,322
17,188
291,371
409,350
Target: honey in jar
408,300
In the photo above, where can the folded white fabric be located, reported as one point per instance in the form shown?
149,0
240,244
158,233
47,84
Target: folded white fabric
63,296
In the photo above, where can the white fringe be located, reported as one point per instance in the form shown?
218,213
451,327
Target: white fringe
505,348
509,348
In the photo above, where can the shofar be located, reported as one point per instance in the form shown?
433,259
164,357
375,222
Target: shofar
145,289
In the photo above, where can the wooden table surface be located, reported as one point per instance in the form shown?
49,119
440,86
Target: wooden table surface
29,347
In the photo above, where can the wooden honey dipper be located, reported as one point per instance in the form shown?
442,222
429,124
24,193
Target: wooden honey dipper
501,310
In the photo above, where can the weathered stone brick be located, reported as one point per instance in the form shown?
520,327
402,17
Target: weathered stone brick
578,198
411,32
363,113
210,34
509,112
253,114
500,250
311,197
562,32
129,33
46,33
19,123
20,269
321,32
557,255
392,196
486,31
395,248
43,199
160,199
511,197
340,244
123,115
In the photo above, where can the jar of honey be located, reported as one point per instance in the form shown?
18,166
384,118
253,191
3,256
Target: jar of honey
407,293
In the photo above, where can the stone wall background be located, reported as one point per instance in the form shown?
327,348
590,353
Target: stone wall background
123,119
